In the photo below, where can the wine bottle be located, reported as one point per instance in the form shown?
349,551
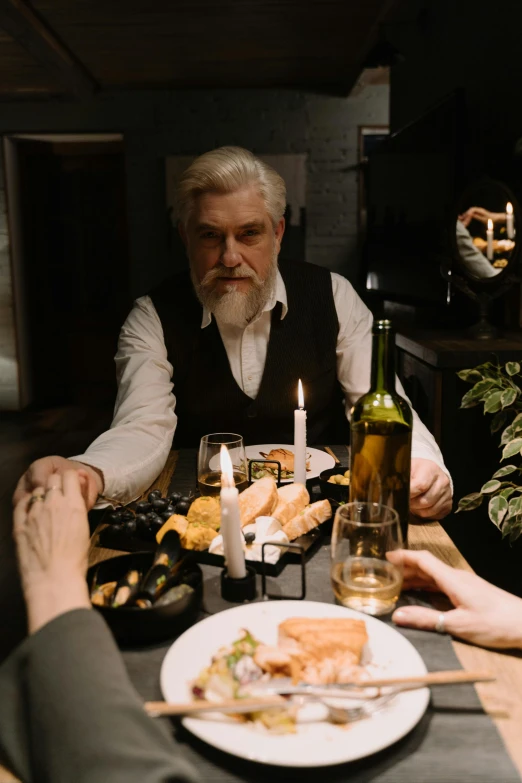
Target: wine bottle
381,427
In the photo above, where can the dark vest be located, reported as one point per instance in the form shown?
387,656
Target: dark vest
302,345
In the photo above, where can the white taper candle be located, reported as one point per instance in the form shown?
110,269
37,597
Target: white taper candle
230,520
300,438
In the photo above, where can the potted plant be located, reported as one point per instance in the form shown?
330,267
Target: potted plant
495,386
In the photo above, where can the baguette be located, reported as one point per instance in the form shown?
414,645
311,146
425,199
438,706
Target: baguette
259,500
311,517
292,499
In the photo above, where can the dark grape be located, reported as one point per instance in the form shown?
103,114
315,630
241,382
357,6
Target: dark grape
143,507
114,517
183,507
154,495
160,504
156,525
142,525
166,514
129,527
174,497
186,499
153,518
128,515
113,530
171,508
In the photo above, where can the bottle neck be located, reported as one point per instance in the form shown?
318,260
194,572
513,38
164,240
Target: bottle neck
383,362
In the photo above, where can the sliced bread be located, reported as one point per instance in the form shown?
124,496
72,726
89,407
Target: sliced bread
306,520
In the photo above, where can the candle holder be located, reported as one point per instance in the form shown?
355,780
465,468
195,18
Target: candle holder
238,590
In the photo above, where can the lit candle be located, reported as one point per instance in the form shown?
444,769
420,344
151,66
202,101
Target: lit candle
230,521
489,236
510,224
300,438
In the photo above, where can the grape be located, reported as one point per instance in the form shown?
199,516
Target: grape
143,507
154,495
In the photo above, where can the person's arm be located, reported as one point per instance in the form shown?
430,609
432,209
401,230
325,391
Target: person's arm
134,450
354,349
67,709
483,614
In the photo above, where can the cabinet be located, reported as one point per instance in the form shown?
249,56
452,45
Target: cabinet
427,366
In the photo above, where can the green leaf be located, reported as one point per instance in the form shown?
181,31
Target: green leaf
505,471
493,402
508,397
512,448
506,493
507,435
469,502
469,375
499,419
512,368
512,528
490,486
515,507
477,393
497,509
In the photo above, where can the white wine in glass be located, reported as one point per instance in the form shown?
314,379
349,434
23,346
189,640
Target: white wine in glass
209,462
363,578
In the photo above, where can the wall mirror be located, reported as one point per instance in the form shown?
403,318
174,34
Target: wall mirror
487,233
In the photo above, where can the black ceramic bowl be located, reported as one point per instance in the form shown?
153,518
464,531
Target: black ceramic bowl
135,626
336,492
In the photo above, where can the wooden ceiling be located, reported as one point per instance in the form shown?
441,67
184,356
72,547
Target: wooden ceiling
78,47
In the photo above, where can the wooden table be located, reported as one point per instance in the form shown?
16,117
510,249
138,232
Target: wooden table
502,699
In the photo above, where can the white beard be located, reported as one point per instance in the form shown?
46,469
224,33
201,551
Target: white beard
234,307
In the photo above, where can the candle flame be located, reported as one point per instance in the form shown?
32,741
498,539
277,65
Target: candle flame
490,224
227,474
300,395
509,208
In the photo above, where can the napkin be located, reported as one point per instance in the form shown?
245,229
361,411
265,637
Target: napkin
265,529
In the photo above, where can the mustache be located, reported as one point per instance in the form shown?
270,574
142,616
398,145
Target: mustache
221,271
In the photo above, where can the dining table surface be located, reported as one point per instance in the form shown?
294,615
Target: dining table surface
500,699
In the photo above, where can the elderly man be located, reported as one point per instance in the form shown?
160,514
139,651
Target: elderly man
220,349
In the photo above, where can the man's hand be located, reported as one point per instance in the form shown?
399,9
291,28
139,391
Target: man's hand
483,614
37,475
479,213
430,490
51,532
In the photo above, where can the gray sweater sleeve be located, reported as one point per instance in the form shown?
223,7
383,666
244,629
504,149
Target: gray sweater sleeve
68,711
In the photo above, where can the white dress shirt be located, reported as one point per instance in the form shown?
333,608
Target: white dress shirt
134,450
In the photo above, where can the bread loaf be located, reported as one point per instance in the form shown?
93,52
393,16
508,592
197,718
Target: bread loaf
292,499
306,520
259,500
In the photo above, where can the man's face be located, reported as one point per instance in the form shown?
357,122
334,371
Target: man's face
232,233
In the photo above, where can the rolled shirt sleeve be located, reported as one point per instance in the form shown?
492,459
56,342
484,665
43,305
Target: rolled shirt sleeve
354,353
132,453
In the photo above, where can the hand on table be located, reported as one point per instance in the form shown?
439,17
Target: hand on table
37,475
430,490
483,614
51,532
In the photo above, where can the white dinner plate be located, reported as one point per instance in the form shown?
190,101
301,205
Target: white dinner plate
319,460
315,744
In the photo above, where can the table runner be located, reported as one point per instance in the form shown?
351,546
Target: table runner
454,742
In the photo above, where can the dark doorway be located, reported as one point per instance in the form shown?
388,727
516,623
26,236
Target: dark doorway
75,265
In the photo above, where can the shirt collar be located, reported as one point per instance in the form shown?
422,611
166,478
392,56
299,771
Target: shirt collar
278,295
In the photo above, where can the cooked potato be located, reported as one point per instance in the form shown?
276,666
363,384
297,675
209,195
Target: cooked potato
205,511
347,474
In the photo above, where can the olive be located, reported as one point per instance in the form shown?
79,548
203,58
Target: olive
156,525
160,504
250,538
183,507
114,517
154,495
143,507
129,527
127,515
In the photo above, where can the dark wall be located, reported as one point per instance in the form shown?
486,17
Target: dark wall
160,123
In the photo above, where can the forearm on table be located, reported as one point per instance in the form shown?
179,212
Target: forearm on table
68,707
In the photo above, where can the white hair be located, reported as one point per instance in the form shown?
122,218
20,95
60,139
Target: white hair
225,170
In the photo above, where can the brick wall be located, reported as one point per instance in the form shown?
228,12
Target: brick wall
8,365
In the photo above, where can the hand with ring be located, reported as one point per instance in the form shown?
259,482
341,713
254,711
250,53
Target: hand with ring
51,532
482,613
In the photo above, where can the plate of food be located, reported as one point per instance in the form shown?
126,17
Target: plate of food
316,461
242,651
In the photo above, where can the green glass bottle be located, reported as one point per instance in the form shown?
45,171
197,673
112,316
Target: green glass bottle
381,427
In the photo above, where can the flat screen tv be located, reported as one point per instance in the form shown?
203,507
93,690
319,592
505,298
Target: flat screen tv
413,179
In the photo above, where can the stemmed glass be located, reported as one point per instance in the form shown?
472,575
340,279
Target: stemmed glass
363,577
209,463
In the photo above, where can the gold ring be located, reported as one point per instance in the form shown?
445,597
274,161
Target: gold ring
33,499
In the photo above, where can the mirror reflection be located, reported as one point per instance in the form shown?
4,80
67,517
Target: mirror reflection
485,231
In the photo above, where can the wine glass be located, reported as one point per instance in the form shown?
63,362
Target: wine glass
209,462
362,576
